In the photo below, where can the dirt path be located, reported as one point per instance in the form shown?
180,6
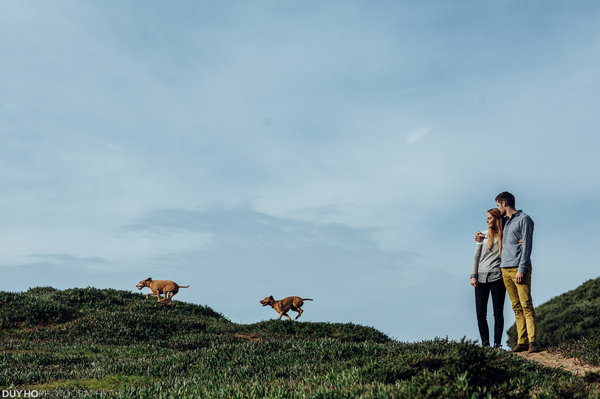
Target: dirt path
555,360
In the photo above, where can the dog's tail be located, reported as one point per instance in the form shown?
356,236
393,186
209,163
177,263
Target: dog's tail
306,299
183,286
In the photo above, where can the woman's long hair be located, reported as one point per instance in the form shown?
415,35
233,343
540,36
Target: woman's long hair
495,232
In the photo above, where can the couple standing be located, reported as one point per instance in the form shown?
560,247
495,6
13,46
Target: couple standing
503,263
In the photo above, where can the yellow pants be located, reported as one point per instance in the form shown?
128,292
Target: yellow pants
520,296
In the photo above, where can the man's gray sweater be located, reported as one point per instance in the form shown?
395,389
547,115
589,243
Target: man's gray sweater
519,227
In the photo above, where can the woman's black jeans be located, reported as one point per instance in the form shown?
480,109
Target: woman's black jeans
482,294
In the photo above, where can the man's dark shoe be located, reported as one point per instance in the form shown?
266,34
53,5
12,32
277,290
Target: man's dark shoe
520,348
533,348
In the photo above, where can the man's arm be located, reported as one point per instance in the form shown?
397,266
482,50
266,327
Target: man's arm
527,234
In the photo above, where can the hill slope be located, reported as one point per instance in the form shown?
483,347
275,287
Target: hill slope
570,322
570,316
117,342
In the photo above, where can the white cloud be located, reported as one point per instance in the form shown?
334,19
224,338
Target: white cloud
417,134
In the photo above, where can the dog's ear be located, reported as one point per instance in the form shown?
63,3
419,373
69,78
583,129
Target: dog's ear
271,297
149,279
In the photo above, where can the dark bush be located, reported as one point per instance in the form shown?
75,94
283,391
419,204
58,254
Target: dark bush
567,317
29,310
345,332
587,350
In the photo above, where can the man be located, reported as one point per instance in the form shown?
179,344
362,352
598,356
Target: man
517,241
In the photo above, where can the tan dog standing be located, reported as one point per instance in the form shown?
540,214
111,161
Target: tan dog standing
286,304
166,287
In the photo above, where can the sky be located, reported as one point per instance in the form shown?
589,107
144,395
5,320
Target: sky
344,151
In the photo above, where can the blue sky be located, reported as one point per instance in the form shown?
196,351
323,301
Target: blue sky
342,151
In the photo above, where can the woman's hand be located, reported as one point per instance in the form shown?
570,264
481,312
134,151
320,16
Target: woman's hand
474,282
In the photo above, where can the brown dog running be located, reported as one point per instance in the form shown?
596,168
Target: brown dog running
284,305
166,287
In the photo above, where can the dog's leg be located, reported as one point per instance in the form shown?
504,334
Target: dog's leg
170,296
158,296
286,315
166,294
300,311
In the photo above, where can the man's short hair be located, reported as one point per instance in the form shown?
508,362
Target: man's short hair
506,197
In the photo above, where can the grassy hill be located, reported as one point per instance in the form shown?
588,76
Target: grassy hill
570,322
117,342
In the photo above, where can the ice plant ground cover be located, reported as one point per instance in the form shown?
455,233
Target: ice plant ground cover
117,343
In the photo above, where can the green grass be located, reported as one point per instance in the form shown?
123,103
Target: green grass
107,383
127,347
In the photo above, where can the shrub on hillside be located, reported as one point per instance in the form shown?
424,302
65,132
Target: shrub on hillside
567,317
345,332
130,312
18,310
586,350
95,298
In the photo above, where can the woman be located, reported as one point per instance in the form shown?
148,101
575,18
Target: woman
486,277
